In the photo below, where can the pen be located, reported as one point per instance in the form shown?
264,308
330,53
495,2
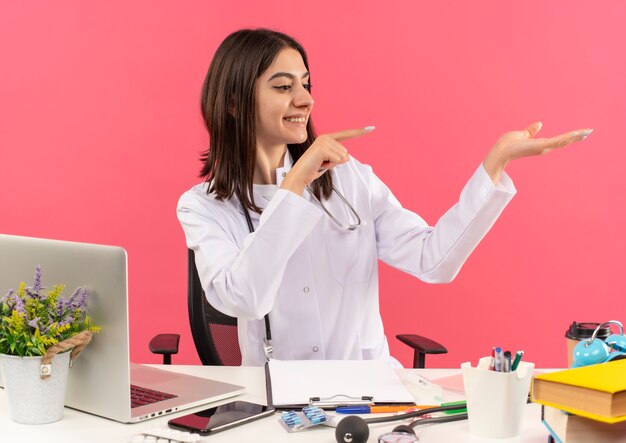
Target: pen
506,362
462,404
499,359
518,357
379,409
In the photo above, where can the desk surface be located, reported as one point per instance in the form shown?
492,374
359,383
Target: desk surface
80,427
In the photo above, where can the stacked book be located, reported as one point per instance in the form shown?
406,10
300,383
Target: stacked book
586,404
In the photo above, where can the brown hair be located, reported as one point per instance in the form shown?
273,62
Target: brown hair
229,112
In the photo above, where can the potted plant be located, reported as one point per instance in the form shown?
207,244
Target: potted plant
39,334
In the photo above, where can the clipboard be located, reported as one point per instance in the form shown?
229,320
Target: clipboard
329,384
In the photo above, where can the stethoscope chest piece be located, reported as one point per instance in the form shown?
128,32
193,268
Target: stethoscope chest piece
400,434
352,429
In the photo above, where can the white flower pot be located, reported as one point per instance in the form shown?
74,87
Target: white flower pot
33,400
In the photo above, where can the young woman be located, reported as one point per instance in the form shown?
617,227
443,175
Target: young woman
289,226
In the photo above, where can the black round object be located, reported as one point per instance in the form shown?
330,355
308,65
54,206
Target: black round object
352,429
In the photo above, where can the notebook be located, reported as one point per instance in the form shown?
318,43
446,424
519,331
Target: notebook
101,378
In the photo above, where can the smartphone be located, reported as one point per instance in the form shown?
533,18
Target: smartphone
221,417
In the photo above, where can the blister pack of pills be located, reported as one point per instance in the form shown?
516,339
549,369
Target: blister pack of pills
310,416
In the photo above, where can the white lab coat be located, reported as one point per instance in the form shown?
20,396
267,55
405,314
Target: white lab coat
320,283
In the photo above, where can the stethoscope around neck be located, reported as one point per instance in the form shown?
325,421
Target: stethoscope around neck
267,341
344,226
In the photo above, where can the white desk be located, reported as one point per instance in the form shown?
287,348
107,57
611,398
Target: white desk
80,427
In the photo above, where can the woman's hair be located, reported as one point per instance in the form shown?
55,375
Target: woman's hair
229,110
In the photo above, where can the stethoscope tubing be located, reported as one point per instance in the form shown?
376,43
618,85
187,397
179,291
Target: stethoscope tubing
422,412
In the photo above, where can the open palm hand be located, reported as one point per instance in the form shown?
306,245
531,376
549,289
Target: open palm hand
517,144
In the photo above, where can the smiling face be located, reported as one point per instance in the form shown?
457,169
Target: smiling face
283,101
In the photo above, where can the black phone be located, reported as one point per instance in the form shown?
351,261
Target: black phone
221,417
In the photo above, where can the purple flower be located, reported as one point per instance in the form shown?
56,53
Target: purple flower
37,283
67,309
61,306
14,302
77,299
34,323
35,290
6,297
19,304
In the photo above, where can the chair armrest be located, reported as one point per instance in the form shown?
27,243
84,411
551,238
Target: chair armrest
421,346
165,344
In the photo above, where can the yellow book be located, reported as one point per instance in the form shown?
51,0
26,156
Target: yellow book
597,391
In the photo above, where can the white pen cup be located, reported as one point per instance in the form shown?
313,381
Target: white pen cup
496,401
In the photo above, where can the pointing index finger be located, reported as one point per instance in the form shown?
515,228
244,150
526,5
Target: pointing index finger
351,133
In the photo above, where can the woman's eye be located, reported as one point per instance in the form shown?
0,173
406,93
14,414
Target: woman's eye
307,87
283,87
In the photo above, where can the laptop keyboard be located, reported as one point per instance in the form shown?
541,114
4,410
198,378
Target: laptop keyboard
143,396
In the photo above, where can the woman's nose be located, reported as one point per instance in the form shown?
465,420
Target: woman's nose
303,98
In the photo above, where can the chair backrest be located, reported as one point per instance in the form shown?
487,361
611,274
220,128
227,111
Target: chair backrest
214,333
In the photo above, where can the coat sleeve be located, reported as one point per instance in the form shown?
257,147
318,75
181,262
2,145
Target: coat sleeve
243,281
436,254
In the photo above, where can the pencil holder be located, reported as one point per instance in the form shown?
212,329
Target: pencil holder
496,401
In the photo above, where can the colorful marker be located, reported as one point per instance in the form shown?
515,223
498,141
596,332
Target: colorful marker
379,409
462,407
499,359
518,358
506,362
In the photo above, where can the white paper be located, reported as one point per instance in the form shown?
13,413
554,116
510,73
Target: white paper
295,382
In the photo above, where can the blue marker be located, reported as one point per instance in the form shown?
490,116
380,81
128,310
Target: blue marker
364,409
353,410
499,359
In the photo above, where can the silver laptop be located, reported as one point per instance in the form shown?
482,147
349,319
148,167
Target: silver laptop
101,378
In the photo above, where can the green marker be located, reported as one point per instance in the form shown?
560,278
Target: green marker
518,358
462,404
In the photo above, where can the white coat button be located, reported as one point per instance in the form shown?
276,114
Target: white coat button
315,349
305,289
284,174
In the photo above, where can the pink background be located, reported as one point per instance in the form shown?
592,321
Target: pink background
100,133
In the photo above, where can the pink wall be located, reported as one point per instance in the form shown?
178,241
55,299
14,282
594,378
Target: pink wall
100,133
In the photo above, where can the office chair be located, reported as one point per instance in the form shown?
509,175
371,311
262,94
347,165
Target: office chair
215,334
